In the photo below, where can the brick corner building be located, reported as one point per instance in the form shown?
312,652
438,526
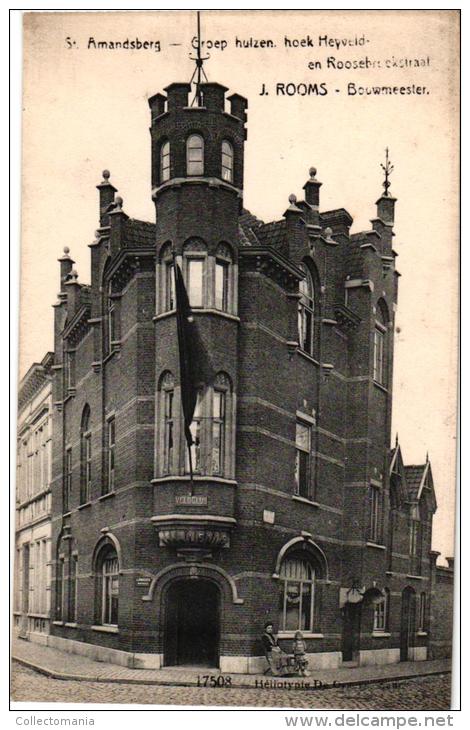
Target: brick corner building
299,513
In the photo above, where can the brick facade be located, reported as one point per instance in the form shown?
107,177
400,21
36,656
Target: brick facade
299,475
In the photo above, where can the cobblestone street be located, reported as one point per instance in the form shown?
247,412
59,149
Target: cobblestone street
425,693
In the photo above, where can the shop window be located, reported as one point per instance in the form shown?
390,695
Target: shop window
297,595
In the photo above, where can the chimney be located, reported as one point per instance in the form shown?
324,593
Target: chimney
312,196
294,224
157,104
106,191
66,264
117,220
73,292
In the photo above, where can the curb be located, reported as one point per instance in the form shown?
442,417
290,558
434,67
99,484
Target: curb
237,685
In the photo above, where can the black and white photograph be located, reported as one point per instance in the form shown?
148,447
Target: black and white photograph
238,354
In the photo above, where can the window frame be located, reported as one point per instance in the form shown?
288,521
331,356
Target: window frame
422,613
110,454
374,533
191,169
381,614
107,579
306,311
72,589
285,580
226,170
68,481
308,452
165,161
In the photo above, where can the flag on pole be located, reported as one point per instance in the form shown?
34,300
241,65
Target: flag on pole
187,353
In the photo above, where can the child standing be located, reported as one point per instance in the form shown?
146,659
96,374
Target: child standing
298,649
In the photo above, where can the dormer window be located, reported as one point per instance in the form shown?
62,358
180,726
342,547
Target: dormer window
227,161
195,155
165,162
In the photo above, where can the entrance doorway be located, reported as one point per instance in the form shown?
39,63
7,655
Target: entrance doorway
351,632
192,625
407,626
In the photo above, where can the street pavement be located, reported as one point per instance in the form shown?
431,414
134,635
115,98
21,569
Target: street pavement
418,693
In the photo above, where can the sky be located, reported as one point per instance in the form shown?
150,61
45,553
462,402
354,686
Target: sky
85,109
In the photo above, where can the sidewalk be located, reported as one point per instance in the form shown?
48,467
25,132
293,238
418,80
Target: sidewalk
62,665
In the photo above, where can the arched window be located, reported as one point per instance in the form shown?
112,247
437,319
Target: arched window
85,456
297,595
165,162
195,155
167,421
306,312
380,343
107,585
227,161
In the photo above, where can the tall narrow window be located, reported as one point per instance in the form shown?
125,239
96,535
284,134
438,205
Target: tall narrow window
218,431
59,590
303,442
221,285
85,455
165,162
381,610
380,331
227,161
297,595
374,514
306,314
422,613
195,155
170,301
194,283
414,534
111,453
196,450
168,434
111,324
69,370
110,595
68,479
72,608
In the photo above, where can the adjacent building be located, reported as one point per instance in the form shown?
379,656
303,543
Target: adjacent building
299,512
32,584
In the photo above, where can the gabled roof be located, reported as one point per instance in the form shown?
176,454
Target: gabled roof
419,480
272,234
139,233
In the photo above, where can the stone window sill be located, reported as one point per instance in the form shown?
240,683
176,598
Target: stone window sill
377,545
71,625
106,496
305,634
415,577
305,500
421,633
381,634
380,386
85,504
106,629
58,623
308,357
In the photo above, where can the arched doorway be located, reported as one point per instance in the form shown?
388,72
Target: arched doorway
407,626
192,623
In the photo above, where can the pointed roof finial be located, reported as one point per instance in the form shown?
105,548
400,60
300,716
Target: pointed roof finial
396,439
388,169
198,71
427,457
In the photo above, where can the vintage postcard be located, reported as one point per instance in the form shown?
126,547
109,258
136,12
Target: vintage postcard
236,438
